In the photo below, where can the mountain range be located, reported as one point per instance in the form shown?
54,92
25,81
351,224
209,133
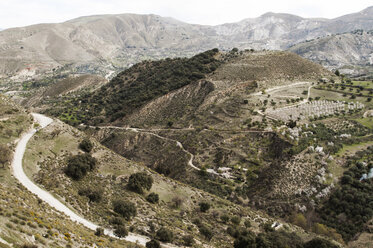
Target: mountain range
102,44
351,52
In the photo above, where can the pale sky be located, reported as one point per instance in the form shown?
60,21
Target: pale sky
15,13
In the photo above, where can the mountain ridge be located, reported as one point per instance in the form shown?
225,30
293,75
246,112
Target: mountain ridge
103,43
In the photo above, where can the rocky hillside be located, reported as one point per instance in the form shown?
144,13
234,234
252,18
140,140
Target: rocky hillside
157,92
101,44
351,53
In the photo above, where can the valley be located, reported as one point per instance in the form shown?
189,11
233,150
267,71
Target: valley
143,131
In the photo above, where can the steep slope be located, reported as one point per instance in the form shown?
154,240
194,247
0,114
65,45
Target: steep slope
351,53
100,44
26,221
209,116
178,208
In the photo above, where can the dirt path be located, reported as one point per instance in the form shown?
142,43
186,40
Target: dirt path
289,106
20,175
178,143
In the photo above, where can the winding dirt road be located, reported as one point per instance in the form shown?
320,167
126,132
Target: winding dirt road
20,175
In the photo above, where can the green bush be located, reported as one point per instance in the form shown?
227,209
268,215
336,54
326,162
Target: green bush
99,231
86,145
319,243
79,165
153,244
236,220
247,241
116,221
164,235
247,223
126,209
224,218
152,198
204,206
94,195
206,231
139,182
120,231
188,240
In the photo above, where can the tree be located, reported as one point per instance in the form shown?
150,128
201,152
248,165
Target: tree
120,231
5,155
79,165
126,209
86,145
164,235
153,244
152,198
337,73
204,206
139,182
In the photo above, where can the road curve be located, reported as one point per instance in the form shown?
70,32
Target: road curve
20,175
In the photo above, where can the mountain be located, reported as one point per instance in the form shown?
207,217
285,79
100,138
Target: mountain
351,53
105,43
265,129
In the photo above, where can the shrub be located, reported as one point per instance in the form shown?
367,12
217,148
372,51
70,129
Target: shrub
188,240
116,221
246,241
126,209
177,202
79,165
153,244
236,220
206,231
247,223
86,145
299,220
93,195
120,231
319,243
140,181
99,231
164,235
224,218
152,198
204,206
5,154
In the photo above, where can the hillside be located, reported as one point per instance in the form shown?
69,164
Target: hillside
350,53
24,219
266,129
228,142
105,43
157,92
177,210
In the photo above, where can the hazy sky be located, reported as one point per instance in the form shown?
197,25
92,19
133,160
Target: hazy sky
15,13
